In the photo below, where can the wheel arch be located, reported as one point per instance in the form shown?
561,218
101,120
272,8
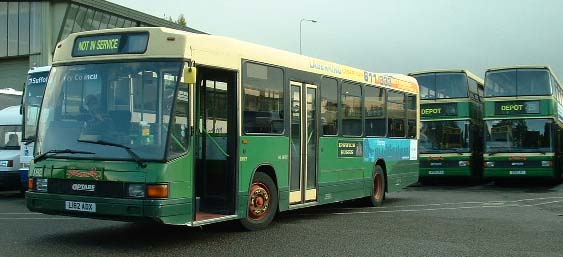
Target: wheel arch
268,169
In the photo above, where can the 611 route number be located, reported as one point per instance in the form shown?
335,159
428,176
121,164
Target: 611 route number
371,77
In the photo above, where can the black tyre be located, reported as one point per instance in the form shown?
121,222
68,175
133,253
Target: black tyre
378,193
262,203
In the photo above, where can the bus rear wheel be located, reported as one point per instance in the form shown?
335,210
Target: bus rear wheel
262,203
378,194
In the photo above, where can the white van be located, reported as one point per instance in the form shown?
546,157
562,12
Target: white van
10,134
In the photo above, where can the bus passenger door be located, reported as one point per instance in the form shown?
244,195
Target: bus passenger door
304,120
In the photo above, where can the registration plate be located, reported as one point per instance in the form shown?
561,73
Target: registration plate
517,172
436,172
80,206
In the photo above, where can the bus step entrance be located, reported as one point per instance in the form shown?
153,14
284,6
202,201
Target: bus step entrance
199,216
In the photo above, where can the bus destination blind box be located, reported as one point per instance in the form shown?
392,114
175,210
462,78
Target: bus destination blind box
108,44
517,107
435,110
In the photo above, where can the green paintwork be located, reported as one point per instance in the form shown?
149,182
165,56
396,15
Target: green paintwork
177,173
466,109
263,151
548,107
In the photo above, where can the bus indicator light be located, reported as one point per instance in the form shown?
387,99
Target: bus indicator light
157,191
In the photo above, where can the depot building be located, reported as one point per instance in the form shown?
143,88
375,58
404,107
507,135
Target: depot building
29,31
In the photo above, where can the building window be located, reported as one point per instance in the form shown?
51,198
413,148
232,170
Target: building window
96,21
374,104
329,106
351,109
263,99
112,21
80,16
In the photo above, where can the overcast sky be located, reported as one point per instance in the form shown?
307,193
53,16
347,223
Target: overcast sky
387,36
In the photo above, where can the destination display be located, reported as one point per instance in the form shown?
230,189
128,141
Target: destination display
430,110
132,43
517,107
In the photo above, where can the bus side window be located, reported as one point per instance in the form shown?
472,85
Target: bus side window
351,109
263,99
396,114
329,106
411,116
178,142
374,106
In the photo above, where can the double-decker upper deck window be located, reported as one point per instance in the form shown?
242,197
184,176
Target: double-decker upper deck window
396,114
427,84
517,82
442,85
329,106
351,99
263,99
451,85
374,103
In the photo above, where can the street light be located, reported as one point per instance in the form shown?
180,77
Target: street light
300,23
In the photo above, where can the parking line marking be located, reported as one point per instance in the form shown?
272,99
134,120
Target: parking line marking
37,218
483,205
22,213
450,203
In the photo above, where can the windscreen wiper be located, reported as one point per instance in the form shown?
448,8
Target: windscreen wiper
53,152
136,157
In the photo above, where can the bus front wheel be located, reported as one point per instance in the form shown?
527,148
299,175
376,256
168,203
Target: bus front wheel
262,203
378,194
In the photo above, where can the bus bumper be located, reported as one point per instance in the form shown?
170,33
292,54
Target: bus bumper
519,173
174,211
9,179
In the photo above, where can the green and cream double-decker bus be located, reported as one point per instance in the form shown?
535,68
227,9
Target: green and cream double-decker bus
523,123
451,111
179,128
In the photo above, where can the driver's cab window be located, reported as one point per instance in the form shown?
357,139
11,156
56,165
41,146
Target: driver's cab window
130,107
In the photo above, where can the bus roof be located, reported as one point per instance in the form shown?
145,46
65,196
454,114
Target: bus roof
10,116
520,67
227,52
39,69
469,73
10,91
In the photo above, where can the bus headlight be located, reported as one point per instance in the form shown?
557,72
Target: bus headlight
9,163
489,164
464,163
136,190
546,163
41,185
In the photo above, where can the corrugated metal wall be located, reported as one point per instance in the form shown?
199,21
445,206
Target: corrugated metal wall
13,72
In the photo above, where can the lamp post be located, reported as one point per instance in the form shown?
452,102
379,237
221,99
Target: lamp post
300,24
